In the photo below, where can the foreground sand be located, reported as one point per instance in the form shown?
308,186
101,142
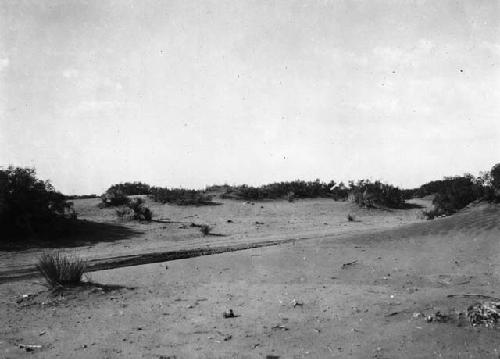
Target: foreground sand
291,300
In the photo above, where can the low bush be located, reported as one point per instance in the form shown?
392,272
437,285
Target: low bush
125,213
373,194
140,211
135,210
282,190
114,197
179,196
60,270
453,194
131,188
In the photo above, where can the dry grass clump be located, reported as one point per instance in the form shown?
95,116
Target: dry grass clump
60,270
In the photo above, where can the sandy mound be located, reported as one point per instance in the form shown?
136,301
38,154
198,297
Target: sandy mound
360,295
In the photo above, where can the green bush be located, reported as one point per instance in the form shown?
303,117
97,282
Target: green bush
60,270
30,206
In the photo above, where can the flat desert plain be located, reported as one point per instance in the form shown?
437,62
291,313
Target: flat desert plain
301,280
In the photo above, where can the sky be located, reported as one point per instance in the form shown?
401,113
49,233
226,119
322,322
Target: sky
188,93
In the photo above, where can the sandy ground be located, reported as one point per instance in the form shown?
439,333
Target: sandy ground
105,237
296,300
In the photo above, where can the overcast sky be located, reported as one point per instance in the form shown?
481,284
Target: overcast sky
189,93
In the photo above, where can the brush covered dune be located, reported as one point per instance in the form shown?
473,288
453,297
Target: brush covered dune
300,278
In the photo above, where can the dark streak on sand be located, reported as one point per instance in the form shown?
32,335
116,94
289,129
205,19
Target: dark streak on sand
145,258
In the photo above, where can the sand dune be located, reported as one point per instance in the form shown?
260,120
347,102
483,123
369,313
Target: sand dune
297,299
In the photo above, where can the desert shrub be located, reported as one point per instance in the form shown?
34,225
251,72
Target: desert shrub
114,197
454,193
131,188
278,190
205,229
134,210
60,270
140,211
180,196
410,193
124,213
372,194
339,192
30,206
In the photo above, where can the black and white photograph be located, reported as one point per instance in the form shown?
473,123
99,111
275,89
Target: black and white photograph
247,179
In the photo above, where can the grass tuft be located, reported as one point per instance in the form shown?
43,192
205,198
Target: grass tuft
60,270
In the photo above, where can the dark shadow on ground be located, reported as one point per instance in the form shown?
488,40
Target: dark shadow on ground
74,234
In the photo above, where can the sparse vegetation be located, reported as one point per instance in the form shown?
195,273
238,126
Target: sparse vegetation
60,270
124,213
299,189
140,211
451,194
30,207
374,194
454,193
114,196
135,210
131,188
179,196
